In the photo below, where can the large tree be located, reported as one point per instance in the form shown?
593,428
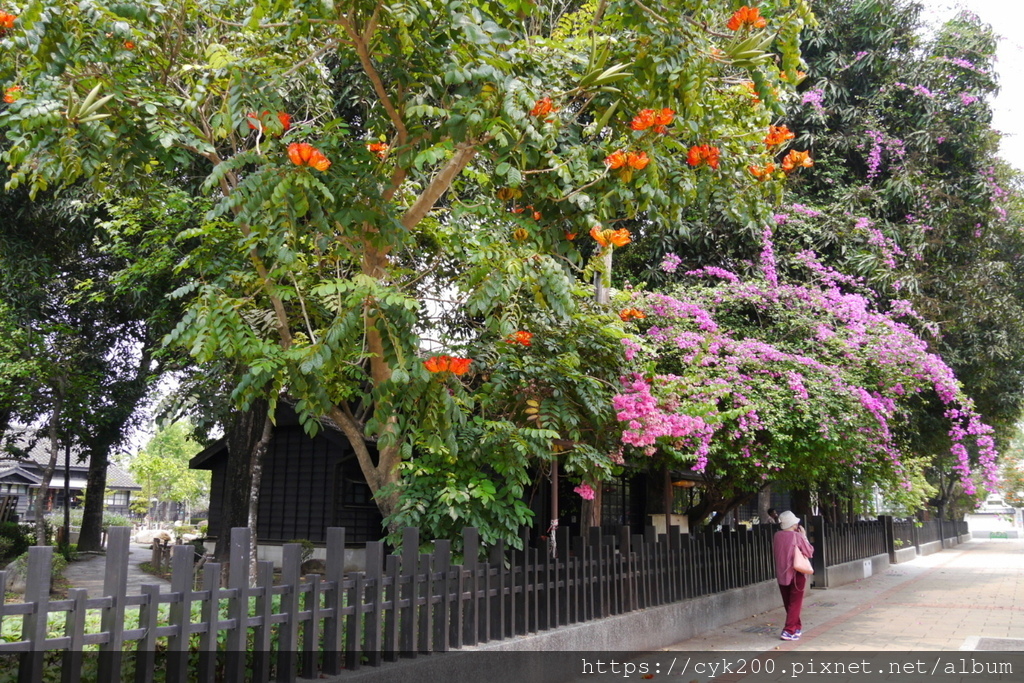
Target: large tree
370,157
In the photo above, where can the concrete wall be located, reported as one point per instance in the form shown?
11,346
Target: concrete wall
848,572
640,631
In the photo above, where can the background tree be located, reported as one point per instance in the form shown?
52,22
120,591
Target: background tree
161,467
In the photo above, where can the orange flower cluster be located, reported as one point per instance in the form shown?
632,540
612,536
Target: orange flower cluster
618,238
305,154
456,366
6,22
259,121
378,148
652,118
746,16
12,94
620,159
794,160
777,135
703,154
628,314
800,75
749,85
762,173
522,337
543,107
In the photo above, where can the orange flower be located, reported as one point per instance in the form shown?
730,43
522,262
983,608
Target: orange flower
305,154
644,119
570,236
618,238
12,94
777,135
795,159
457,366
537,216
543,107
129,45
6,22
762,173
637,160
378,148
259,121
800,75
628,314
522,337
746,16
703,154
752,89
615,160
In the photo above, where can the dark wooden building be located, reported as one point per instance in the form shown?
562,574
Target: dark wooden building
308,485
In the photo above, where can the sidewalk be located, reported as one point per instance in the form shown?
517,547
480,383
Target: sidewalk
89,573
966,598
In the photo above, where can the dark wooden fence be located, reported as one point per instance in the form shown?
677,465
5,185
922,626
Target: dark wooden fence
402,605
849,542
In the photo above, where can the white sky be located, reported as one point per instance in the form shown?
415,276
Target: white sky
1007,17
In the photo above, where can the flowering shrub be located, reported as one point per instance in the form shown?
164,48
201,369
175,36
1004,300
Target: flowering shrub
805,383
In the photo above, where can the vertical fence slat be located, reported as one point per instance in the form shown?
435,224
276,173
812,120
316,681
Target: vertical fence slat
145,653
353,641
500,600
375,584
74,628
115,586
391,612
180,616
407,621
311,629
236,639
471,553
288,632
442,612
37,593
336,598
425,593
208,640
262,632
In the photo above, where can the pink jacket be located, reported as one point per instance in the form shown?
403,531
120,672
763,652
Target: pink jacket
782,546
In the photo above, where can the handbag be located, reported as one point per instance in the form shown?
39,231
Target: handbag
800,562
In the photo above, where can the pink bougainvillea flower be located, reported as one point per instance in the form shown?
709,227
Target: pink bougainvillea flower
585,491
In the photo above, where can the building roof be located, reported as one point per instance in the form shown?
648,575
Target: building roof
37,455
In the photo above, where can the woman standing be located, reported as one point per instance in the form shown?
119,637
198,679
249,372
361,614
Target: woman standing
792,583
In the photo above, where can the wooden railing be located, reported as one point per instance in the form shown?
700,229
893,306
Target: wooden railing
402,605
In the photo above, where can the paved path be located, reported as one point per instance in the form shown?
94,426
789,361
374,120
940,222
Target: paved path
89,573
947,601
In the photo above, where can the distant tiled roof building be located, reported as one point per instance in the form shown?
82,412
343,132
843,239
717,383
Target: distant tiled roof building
21,468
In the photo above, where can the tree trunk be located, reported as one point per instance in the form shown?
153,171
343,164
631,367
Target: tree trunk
90,536
256,469
43,493
242,434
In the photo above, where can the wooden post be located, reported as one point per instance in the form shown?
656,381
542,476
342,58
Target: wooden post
261,633
74,629
336,600
471,552
180,616
37,593
407,623
375,579
236,643
288,635
210,615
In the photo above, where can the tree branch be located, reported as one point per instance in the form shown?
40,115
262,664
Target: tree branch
464,153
